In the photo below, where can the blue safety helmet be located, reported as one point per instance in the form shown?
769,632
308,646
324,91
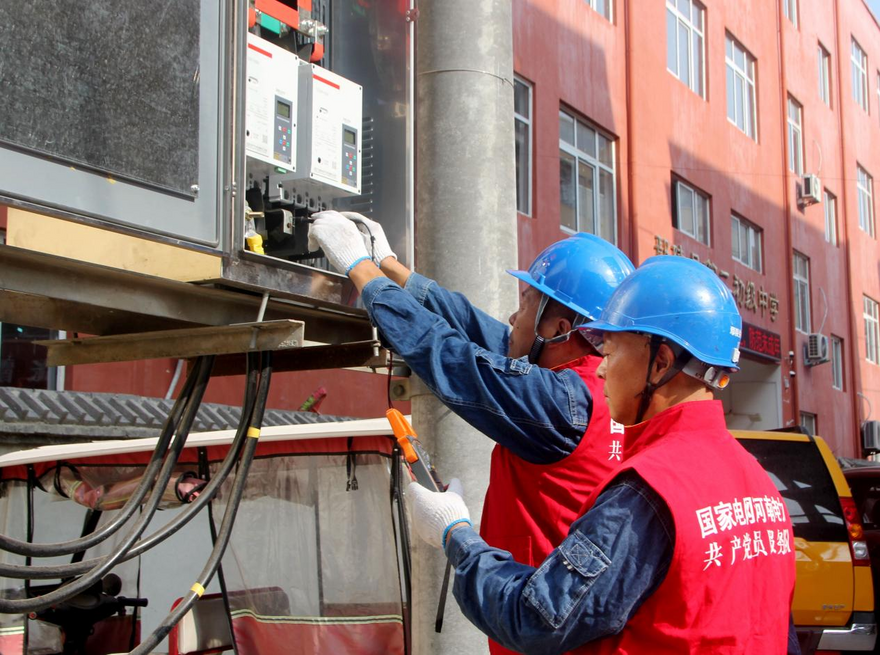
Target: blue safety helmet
681,300
580,272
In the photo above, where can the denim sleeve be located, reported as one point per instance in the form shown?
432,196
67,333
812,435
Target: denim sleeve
613,559
539,414
474,324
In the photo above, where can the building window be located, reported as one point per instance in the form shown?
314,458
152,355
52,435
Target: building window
602,7
824,75
801,293
859,75
790,7
684,43
741,107
837,363
691,213
746,242
795,137
522,112
830,205
808,423
865,189
587,184
871,312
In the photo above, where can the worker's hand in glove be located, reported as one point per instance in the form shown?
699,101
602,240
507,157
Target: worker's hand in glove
340,240
435,512
374,237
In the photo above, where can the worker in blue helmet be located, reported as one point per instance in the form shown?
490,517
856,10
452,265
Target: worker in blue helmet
654,564
531,386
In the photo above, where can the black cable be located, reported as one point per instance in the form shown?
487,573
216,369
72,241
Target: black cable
62,593
88,541
390,369
173,526
225,532
90,524
205,471
401,533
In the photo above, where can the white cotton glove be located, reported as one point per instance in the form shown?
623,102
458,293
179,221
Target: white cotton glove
374,237
339,238
434,511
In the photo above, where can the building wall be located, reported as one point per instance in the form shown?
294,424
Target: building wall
614,74
349,393
568,54
861,143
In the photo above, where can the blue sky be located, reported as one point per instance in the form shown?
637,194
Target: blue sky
875,7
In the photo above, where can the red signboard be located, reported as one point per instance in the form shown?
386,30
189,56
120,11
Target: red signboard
761,342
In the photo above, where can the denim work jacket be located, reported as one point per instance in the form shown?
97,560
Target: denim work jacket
460,351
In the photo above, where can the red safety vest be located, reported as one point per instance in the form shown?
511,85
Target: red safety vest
529,507
730,584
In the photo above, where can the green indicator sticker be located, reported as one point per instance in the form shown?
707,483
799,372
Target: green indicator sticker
269,23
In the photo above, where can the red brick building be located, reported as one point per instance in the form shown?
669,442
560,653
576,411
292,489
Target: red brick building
687,127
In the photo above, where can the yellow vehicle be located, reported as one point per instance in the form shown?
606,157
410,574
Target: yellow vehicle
833,605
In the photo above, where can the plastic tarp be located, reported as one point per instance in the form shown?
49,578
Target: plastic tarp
312,567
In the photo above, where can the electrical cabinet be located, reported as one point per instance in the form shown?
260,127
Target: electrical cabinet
193,126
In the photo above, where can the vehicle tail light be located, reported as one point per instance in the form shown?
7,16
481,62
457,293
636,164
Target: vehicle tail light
857,544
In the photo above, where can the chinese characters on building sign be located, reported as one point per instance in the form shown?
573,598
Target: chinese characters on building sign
759,341
746,294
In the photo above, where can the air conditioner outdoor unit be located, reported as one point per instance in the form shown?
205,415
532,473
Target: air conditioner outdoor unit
811,190
871,435
817,349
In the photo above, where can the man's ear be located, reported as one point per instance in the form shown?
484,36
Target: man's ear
664,360
558,325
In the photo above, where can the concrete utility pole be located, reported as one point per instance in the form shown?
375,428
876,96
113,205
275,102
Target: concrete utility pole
465,239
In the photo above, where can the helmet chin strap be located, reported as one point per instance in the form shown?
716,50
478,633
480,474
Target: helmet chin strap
681,358
538,343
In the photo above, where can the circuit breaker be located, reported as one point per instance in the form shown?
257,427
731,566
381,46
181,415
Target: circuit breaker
271,108
329,148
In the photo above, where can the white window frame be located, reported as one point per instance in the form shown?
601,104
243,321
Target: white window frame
830,206
745,75
809,422
583,157
871,314
525,207
696,43
609,8
790,8
836,363
859,60
754,256
824,75
795,135
703,233
865,196
801,281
